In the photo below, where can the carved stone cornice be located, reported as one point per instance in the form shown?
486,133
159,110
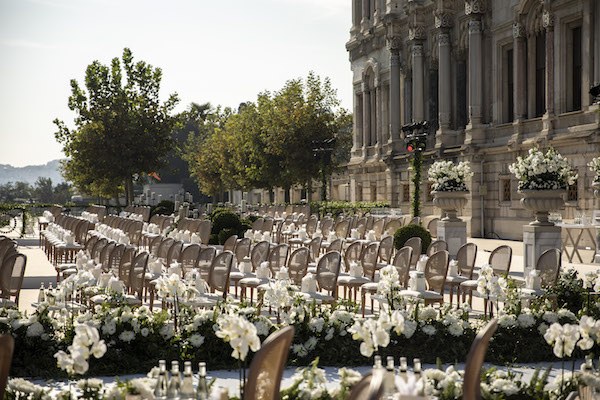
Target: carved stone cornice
475,26
394,43
443,19
417,49
518,30
444,39
474,7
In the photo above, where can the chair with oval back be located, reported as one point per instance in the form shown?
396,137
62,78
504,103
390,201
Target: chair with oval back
432,226
436,246
328,270
475,358
548,267
368,262
266,369
298,264
465,258
386,249
189,257
204,260
436,270
11,279
230,243
417,245
352,254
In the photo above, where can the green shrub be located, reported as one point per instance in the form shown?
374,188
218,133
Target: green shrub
408,231
226,220
213,238
336,208
165,207
224,234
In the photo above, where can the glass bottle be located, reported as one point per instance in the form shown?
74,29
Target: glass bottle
202,389
390,384
417,368
377,362
187,384
174,382
51,295
42,294
162,382
403,368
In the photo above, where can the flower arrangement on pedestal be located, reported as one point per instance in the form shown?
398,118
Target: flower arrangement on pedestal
543,171
543,179
449,186
594,166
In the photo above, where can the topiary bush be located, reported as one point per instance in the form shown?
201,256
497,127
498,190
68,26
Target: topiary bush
165,207
408,231
226,234
226,220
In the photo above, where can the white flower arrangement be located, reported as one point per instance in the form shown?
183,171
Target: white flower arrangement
239,332
543,171
594,166
85,343
563,338
447,176
489,285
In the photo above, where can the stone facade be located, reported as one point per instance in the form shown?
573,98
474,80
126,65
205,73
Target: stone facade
493,78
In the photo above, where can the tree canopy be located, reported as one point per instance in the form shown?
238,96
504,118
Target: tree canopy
122,129
271,142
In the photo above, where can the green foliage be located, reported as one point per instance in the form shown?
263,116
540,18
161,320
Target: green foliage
226,233
417,163
226,220
121,130
42,192
336,208
165,207
570,293
408,231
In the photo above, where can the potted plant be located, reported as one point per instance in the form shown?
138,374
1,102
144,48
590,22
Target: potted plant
594,166
543,180
449,186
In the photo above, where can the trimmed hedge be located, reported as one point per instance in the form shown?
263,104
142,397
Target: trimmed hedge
408,231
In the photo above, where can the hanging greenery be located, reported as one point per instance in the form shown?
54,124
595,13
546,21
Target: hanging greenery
417,162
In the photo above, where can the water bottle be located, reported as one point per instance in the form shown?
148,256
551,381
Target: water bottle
187,384
403,368
390,384
417,368
174,382
42,294
162,382
202,389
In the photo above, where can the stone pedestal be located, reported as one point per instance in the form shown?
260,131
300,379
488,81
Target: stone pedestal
536,240
454,233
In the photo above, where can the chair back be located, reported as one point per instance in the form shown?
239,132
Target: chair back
266,369
205,259
392,226
342,228
336,245
370,387
154,245
268,225
500,260
164,247
258,224
7,347
475,358
189,257
242,249
386,248
137,274
114,260
315,248
230,243
125,262
465,256
402,264
278,258
377,226
204,231
11,276
432,226
415,221
368,260
417,245
218,276
326,225
105,255
174,252
311,225
298,264
436,270
96,251
259,253
353,253
436,246
328,270
134,232
548,265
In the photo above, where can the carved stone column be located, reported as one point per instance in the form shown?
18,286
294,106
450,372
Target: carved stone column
365,15
358,122
474,131
356,16
520,72
374,113
548,21
418,82
395,110
366,117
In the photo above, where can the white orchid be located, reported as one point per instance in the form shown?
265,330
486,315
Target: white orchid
277,294
563,338
85,343
239,332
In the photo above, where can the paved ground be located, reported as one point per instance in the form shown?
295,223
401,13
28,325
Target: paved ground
39,269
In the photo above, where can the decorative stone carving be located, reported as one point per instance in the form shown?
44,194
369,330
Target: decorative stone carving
417,49
541,202
547,19
475,26
394,43
450,203
518,30
443,19
417,32
474,7
444,39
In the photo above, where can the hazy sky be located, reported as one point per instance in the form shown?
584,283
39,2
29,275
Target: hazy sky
218,51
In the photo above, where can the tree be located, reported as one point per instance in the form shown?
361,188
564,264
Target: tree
121,129
43,190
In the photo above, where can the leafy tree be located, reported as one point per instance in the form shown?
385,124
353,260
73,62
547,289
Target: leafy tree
11,191
43,190
121,129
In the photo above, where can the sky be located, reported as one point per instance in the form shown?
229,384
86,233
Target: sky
220,51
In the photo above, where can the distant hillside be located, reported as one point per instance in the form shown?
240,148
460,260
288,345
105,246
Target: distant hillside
31,173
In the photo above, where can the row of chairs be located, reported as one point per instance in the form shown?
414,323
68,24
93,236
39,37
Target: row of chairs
12,271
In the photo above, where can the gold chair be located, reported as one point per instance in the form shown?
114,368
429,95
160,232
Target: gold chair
266,369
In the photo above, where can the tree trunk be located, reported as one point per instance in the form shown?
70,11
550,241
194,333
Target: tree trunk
286,195
309,190
271,196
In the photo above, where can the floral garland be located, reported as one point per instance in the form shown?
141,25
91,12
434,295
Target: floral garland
543,171
447,176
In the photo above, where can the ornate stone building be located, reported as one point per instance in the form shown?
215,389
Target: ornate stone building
493,78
